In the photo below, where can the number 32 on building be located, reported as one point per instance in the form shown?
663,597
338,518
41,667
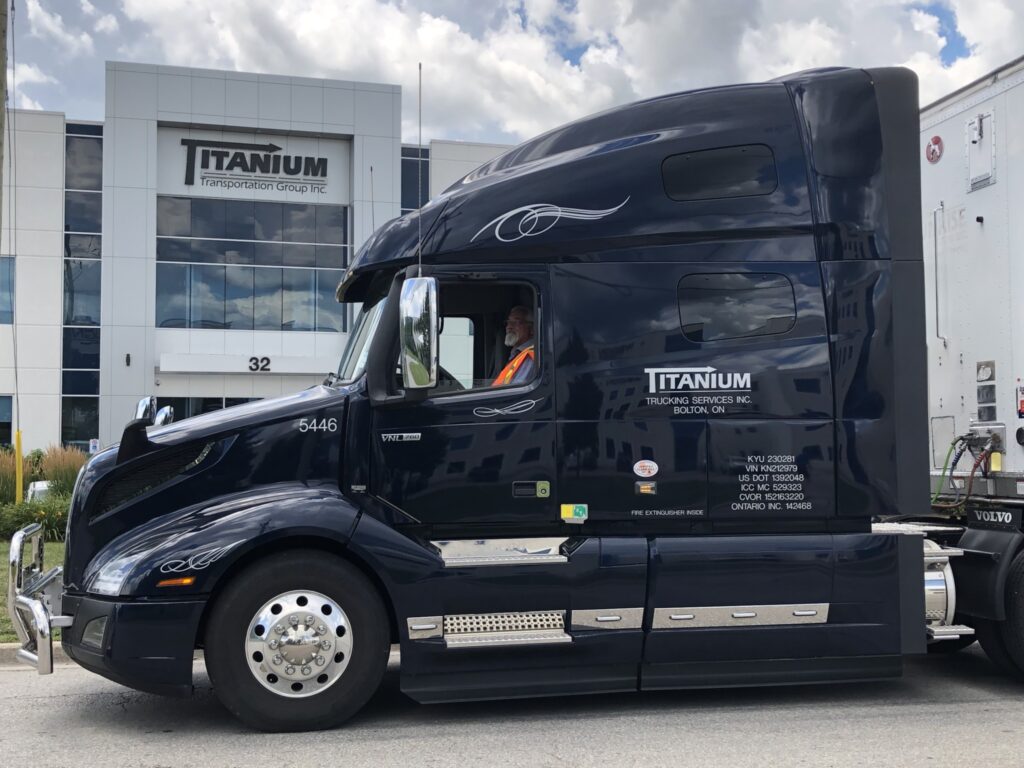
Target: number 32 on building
259,364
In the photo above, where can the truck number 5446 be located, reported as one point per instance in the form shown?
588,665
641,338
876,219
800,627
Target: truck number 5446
318,425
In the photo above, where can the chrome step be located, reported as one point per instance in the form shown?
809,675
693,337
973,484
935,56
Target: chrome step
493,639
949,631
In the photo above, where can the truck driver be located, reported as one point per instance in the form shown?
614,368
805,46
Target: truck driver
518,336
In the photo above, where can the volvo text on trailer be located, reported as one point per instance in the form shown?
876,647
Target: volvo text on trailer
724,295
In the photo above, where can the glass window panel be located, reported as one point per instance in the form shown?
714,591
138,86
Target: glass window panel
207,217
84,128
267,299
238,298
79,420
268,254
299,223
268,221
170,249
717,173
237,253
172,295
206,252
299,255
199,405
239,219
81,348
329,313
82,292
6,290
299,299
174,216
82,246
80,382
330,224
409,170
83,163
331,256
83,211
207,297
6,403
179,404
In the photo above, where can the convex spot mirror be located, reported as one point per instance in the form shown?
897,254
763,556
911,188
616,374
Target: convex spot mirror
417,330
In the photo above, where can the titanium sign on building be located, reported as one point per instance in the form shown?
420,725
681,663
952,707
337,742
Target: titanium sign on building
199,163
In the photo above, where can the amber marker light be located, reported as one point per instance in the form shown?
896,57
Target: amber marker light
184,581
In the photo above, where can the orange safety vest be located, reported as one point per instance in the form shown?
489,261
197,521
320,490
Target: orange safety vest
509,371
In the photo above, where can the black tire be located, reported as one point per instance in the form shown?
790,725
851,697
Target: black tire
225,640
991,638
945,647
1011,631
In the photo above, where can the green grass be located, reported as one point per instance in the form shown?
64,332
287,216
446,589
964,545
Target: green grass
54,555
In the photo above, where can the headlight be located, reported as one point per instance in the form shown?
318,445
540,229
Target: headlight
111,576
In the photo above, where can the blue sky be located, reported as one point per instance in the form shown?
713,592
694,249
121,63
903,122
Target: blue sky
507,69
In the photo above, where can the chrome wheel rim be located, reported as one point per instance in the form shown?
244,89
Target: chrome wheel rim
298,644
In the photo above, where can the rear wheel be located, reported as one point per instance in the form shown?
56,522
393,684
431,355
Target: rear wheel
297,642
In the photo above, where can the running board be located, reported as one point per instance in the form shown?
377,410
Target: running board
489,630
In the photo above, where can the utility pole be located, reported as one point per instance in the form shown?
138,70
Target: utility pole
18,462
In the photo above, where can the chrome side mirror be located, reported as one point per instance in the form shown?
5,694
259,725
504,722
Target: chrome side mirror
417,330
146,409
164,416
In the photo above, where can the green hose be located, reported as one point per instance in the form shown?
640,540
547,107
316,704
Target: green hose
942,478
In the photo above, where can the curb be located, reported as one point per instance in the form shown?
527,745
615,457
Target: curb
8,651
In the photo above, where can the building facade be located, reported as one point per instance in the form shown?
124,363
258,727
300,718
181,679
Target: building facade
189,245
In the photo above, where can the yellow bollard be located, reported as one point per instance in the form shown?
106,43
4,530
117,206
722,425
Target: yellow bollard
19,469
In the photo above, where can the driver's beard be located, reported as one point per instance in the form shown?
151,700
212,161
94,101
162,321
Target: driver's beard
511,338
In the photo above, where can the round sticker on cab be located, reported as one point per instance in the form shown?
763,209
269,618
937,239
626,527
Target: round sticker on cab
645,468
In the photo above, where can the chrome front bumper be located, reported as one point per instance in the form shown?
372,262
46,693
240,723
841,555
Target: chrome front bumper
34,599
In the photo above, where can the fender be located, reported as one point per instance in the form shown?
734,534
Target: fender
203,541
981,573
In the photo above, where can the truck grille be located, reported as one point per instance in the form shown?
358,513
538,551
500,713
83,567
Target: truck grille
162,468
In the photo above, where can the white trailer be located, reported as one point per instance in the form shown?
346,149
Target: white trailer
972,198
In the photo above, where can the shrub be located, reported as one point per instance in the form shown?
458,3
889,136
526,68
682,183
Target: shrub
51,513
60,466
33,466
7,476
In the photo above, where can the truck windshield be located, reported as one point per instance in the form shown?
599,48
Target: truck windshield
353,358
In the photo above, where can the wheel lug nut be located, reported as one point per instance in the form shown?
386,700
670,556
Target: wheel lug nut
277,659
309,620
289,670
306,671
273,644
294,621
319,661
279,628
321,630
325,644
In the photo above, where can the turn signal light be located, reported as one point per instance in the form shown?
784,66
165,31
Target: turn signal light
184,581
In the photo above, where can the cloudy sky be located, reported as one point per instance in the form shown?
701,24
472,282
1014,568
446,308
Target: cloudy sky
504,70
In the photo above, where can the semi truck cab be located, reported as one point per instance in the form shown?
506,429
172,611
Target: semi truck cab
703,477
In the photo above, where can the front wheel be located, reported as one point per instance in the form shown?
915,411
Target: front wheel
297,642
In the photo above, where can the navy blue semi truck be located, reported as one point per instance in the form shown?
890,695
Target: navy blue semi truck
714,473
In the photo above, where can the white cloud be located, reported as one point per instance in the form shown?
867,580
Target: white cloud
107,23
88,8
27,102
44,24
26,74
513,68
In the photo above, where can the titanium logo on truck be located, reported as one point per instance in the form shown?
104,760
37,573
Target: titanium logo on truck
697,391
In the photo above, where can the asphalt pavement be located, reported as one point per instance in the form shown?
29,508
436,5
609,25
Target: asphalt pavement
945,711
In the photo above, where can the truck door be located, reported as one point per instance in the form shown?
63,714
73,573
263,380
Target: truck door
476,456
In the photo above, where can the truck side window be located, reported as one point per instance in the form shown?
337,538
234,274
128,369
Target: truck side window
717,173
735,305
474,349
